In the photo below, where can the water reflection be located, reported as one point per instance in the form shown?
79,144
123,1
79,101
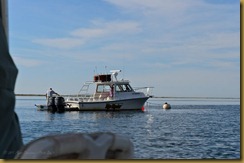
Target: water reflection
89,115
116,114
51,116
150,120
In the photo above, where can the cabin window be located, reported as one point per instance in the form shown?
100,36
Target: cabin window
123,88
103,88
106,88
128,88
118,88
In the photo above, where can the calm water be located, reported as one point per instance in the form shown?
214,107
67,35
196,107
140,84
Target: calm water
192,129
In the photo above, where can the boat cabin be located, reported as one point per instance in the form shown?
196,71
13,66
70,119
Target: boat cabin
107,88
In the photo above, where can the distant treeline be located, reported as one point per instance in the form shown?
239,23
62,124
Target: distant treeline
42,95
200,97
30,95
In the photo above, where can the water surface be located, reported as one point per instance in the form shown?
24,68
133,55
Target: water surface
192,129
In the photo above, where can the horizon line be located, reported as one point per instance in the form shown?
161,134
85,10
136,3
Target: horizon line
203,97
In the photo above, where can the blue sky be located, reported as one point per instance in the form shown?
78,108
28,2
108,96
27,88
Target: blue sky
181,48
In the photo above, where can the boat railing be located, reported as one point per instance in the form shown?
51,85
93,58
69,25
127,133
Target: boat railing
148,91
89,98
84,89
83,94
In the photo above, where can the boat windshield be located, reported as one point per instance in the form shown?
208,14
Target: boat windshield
103,88
123,88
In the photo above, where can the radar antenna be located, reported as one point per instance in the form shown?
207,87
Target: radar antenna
115,73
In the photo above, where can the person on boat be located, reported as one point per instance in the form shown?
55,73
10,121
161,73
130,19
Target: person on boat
111,93
50,93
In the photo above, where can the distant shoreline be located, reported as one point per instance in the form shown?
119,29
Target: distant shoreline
30,95
152,97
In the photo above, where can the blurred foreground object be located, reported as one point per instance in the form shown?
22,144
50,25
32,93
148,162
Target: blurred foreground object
10,134
78,146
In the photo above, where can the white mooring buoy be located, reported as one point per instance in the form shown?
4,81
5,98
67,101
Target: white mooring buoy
166,106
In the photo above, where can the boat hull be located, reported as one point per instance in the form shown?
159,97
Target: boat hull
125,104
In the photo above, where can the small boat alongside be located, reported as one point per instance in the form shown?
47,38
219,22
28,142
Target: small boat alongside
108,93
55,104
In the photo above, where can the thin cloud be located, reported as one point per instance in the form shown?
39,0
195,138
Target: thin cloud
80,36
107,28
62,43
149,7
26,62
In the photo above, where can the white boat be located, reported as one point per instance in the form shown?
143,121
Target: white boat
109,94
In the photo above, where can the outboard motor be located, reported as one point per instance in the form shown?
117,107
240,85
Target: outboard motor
51,104
59,103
